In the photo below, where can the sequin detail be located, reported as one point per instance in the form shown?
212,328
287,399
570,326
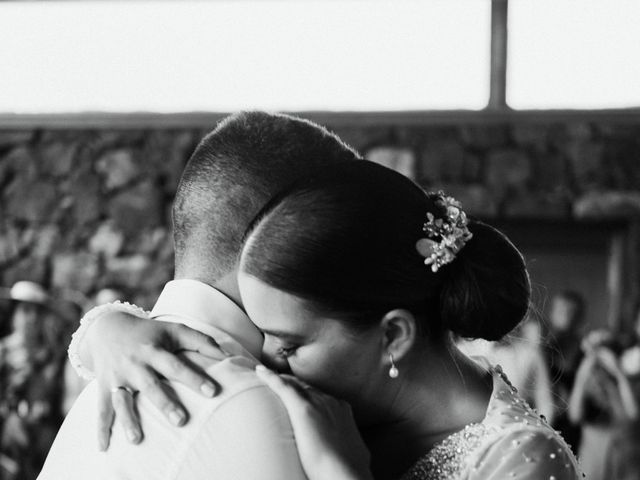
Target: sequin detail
448,457
458,456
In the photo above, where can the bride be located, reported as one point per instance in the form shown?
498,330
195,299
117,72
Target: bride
359,280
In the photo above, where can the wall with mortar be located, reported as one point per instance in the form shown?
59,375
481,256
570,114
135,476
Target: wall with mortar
84,209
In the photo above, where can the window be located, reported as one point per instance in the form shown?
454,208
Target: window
221,56
573,54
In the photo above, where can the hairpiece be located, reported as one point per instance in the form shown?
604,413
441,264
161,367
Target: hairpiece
445,236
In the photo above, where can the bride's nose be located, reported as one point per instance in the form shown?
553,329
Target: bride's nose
271,359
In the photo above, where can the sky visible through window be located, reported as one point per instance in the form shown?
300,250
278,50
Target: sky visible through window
225,55
574,54
300,55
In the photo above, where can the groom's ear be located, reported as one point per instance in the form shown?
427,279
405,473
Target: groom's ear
400,332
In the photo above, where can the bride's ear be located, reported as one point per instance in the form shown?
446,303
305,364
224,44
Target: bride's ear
400,332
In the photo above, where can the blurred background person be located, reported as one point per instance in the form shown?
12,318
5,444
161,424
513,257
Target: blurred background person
630,358
30,371
563,337
520,356
623,458
601,402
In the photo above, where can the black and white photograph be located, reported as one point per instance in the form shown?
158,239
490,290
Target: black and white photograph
319,239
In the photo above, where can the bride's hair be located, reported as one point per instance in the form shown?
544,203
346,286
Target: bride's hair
345,241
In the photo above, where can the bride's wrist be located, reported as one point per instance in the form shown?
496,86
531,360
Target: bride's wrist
82,340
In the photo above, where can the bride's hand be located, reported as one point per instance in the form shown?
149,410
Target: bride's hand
129,354
327,438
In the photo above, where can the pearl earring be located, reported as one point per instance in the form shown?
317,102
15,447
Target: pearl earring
393,371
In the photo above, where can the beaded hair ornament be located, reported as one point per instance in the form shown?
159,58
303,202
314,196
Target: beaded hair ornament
444,236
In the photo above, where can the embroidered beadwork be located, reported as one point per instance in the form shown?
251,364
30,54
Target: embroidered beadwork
447,458
508,415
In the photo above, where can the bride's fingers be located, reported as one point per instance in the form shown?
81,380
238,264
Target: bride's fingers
152,387
105,418
195,341
175,368
291,394
123,404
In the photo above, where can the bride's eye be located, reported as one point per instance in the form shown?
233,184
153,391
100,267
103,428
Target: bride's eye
285,352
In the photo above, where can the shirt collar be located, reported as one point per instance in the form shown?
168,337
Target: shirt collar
203,308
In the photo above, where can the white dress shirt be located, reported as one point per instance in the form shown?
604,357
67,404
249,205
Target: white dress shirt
243,433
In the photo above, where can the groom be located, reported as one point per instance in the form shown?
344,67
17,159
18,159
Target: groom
243,432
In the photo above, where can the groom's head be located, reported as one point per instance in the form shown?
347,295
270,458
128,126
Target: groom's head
231,175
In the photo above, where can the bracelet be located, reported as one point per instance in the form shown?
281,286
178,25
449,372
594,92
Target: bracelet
85,322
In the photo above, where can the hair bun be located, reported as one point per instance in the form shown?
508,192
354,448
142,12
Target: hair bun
487,290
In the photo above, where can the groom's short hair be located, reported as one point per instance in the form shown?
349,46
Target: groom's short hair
233,172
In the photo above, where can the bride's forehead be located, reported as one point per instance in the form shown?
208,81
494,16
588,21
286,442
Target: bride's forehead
279,314
261,296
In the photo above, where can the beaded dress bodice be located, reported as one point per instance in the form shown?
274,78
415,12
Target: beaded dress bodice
512,441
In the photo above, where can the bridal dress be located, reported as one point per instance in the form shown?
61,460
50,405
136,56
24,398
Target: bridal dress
511,442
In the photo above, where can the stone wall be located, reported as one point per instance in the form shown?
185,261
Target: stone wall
86,209
521,170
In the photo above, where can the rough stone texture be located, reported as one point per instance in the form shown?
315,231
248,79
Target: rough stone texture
137,208
586,164
58,158
128,271
530,136
46,241
75,270
485,137
18,162
150,241
476,199
507,168
118,168
87,202
165,157
535,204
401,160
549,171
11,243
31,201
444,162
107,240
86,209
9,138
618,204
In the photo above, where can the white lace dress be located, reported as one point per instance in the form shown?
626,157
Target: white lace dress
511,442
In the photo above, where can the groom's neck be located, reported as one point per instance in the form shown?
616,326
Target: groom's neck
226,284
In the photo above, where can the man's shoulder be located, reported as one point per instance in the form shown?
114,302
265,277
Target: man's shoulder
247,434
232,374
227,433
74,453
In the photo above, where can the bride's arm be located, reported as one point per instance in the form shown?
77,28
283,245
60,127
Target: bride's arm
327,438
122,347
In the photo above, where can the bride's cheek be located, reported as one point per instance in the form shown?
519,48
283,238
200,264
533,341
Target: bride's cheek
308,368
